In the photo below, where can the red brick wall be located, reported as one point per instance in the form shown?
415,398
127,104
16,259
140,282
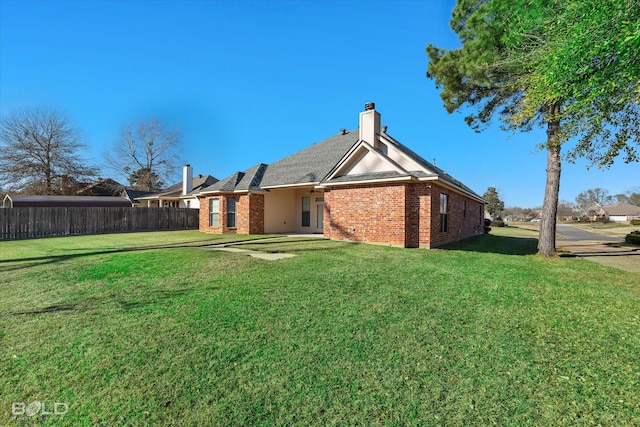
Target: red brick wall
405,215
250,214
246,223
366,213
460,226
419,215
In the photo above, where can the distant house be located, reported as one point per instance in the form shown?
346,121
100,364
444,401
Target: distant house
360,185
619,212
19,201
133,195
180,195
102,187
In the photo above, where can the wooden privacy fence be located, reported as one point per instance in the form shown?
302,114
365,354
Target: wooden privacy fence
22,223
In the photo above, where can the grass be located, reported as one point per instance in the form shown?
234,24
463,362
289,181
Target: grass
151,329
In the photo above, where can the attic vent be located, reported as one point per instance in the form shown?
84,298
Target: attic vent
343,131
370,106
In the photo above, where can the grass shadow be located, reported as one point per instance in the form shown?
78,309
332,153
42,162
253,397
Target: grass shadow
489,243
13,264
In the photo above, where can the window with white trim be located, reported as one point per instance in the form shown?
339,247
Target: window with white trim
214,212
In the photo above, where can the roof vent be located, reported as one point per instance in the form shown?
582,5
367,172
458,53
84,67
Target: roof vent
384,128
343,131
370,106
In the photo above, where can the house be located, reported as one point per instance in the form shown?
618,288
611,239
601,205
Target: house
360,185
179,195
619,212
23,201
102,187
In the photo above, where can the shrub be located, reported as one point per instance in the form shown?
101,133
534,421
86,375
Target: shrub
498,223
635,222
633,237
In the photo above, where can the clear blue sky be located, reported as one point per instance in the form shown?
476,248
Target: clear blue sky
253,81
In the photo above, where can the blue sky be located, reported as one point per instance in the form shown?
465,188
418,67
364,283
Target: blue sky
253,81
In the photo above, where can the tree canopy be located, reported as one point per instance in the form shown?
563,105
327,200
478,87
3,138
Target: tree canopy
494,203
593,195
39,153
572,66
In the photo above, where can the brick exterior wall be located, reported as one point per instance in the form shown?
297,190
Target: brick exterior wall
249,214
406,215
419,215
461,224
366,213
402,214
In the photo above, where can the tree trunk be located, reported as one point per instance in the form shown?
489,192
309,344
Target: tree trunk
547,239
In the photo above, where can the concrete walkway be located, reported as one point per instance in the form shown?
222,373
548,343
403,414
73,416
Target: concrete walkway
605,250
269,256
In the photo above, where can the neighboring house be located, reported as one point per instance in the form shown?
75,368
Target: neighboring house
102,187
19,201
619,212
360,185
180,195
132,196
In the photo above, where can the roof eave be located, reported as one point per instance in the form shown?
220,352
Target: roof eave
454,187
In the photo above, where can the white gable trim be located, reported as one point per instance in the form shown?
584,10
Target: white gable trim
359,151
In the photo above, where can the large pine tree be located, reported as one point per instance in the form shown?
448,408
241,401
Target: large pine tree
572,67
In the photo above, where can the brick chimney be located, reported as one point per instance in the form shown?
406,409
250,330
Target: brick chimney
187,179
370,124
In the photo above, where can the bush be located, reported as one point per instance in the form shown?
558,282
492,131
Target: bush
633,238
498,223
635,222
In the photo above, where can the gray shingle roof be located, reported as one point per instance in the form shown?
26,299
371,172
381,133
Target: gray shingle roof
175,190
311,164
621,208
314,163
246,180
429,166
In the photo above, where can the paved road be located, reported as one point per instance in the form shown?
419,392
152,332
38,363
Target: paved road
574,234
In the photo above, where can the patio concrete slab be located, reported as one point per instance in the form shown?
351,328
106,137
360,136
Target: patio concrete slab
269,256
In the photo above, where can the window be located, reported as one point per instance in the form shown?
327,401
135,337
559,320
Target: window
464,209
231,212
306,211
188,203
214,212
444,216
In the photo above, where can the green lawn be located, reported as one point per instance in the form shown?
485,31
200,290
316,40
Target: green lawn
152,329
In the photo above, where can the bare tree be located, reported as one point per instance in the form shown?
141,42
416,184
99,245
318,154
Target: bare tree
146,154
593,195
39,153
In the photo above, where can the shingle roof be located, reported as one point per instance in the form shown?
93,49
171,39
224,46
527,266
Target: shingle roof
369,176
239,181
430,166
135,194
102,187
311,164
175,190
621,208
